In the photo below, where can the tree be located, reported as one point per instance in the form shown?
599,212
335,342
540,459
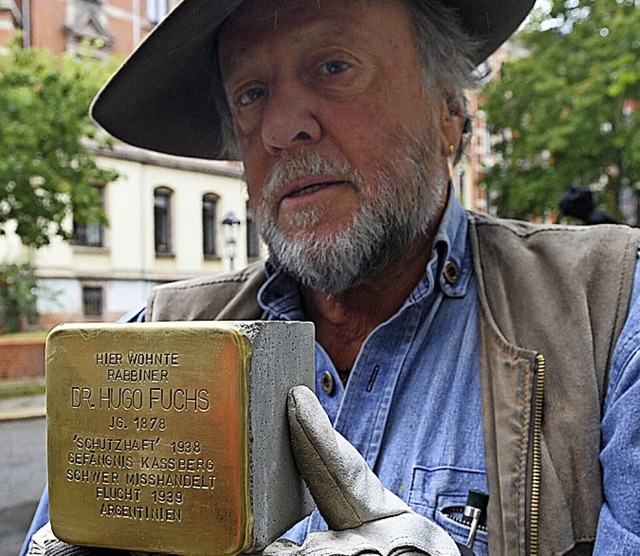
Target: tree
567,114
46,172
18,296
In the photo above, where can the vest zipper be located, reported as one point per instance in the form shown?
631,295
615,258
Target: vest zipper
541,366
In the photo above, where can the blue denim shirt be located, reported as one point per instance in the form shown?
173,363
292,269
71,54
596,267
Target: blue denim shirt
412,403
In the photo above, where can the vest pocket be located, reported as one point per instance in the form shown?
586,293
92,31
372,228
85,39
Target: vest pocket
440,494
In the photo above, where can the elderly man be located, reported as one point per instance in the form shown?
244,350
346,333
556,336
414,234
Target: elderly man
455,352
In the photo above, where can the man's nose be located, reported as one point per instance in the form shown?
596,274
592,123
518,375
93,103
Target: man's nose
289,121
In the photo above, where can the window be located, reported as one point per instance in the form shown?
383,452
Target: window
253,240
92,301
209,224
162,220
90,234
157,9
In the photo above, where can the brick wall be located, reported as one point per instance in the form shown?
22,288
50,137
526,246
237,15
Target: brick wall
7,26
22,359
47,24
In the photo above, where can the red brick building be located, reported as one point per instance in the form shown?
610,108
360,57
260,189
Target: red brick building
114,26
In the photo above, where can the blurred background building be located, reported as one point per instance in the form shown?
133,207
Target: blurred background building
165,213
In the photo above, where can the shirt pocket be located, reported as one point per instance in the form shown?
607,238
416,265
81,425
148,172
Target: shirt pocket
440,494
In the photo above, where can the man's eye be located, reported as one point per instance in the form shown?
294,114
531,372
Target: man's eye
251,95
335,66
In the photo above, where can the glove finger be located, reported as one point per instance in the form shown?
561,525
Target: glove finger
345,490
45,543
408,534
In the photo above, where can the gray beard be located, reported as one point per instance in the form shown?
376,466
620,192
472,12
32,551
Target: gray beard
407,204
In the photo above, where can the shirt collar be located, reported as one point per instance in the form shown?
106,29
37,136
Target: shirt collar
449,268
280,296
450,264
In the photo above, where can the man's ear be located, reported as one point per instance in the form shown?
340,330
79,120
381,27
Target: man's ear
452,124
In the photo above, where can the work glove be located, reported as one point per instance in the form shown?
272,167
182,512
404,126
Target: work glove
364,518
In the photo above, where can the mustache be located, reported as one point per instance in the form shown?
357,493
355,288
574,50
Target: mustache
304,165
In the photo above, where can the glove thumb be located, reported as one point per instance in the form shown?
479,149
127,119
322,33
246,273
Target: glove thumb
346,491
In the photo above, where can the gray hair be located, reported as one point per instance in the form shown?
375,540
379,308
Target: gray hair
446,50
447,53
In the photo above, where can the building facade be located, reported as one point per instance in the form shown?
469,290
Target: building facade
165,213
166,222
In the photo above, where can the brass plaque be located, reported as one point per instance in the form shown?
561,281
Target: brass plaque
147,437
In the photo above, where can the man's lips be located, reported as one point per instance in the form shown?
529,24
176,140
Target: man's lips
307,187
306,190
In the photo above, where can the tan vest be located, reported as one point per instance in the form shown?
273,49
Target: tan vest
553,301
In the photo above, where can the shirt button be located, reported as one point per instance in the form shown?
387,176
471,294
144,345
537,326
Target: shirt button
451,272
327,382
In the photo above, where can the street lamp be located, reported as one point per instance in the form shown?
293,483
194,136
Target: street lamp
231,226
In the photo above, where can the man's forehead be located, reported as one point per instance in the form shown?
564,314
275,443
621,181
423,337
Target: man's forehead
303,22
269,11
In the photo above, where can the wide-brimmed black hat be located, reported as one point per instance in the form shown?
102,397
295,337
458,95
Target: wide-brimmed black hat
163,97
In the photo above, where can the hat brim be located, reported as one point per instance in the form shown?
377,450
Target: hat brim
163,97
